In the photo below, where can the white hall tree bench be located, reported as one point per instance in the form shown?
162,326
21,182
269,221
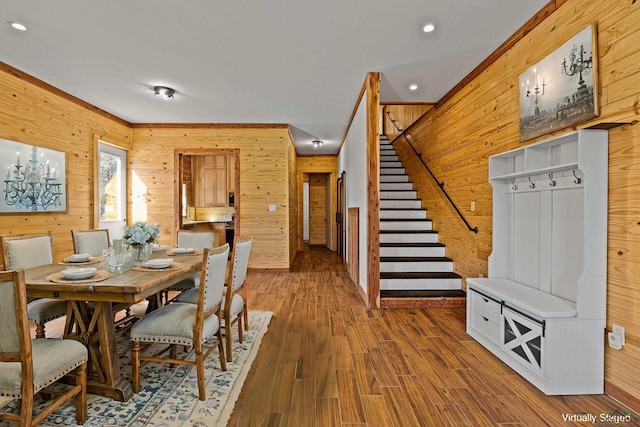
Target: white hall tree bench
542,308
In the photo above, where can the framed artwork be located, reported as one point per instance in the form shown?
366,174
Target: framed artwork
561,90
35,179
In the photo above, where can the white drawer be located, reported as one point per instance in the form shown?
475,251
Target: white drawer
485,326
485,307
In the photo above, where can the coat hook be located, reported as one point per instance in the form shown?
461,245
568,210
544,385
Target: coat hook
514,186
553,181
576,180
531,184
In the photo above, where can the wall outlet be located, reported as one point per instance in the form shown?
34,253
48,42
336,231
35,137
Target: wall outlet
473,206
615,341
272,208
618,330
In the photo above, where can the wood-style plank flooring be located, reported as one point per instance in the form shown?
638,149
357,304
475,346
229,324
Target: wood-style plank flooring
328,361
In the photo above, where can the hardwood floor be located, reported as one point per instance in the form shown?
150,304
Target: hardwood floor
328,361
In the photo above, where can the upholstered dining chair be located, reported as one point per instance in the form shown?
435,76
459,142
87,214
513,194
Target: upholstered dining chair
198,240
235,301
182,324
28,367
22,252
90,242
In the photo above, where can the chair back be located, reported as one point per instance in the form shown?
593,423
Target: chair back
241,251
26,251
91,242
214,269
13,314
195,239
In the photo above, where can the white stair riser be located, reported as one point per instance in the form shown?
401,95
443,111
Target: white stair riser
405,225
412,251
388,157
396,186
390,164
419,284
394,178
403,214
400,204
398,194
405,267
392,171
409,238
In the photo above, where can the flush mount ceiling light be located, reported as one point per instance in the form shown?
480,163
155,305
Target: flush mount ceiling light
317,143
428,28
17,26
413,87
164,92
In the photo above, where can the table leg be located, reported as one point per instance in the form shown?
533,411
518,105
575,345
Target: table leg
94,327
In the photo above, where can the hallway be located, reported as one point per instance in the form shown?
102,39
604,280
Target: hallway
327,361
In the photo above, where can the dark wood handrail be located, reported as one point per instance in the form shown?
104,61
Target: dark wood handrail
403,133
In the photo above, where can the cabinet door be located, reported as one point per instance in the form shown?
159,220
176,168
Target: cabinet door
231,173
210,180
522,339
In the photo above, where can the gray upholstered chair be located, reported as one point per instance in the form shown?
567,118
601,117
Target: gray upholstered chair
235,300
181,324
90,242
28,367
23,252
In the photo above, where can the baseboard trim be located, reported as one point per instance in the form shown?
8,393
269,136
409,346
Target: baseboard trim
630,402
422,302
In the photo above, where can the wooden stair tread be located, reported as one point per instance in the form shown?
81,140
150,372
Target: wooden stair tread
404,219
407,231
420,275
444,293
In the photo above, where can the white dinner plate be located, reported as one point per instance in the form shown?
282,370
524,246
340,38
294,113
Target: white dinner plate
78,273
182,250
78,258
158,263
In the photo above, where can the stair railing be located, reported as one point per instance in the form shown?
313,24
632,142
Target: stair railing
403,133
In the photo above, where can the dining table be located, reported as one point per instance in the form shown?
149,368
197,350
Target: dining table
93,302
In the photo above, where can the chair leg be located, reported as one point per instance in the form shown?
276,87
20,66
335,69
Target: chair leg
200,371
228,338
223,363
246,318
40,330
81,397
240,321
135,366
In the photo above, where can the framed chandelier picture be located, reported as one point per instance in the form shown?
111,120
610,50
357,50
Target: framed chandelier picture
34,178
561,90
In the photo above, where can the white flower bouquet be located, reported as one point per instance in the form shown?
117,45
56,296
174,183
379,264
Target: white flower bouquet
140,233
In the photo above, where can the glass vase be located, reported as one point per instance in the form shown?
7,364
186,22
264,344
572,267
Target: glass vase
139,253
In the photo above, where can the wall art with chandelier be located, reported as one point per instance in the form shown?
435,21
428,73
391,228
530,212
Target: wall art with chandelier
34,178
561,90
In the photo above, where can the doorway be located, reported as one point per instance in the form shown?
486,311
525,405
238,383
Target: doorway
319,209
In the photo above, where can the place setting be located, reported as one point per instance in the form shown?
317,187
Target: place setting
183,251
80,259
78,275
158,264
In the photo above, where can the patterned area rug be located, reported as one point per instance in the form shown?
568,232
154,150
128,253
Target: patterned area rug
169,396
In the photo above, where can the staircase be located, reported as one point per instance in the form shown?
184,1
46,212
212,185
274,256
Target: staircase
414,271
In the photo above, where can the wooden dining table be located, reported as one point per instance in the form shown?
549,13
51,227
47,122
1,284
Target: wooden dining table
91,308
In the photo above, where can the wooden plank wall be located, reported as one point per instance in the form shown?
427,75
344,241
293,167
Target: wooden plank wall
36,114
404,116
458,135
264,180
295,201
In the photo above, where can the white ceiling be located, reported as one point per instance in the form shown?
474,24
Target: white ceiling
299,62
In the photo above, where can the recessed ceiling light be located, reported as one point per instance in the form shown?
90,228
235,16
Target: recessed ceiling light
413,87
18,26
428,28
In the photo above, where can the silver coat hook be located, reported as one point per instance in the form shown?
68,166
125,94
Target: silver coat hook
553,181
531,184
576,180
